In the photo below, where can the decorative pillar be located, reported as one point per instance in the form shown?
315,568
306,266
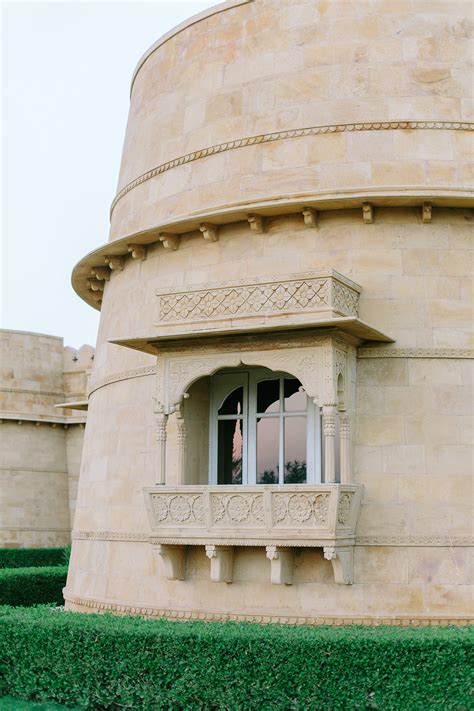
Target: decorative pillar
162,423
329,433
345,448
181,427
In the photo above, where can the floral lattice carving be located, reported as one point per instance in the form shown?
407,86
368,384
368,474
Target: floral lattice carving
237,509
299,292
178,509
301,509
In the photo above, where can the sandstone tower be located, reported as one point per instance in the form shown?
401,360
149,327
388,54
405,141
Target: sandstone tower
279,408
40,441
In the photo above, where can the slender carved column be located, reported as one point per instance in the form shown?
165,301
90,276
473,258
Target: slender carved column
162,422
345,448
181,426
329,432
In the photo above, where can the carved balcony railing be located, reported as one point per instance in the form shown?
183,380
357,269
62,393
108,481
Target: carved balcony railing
279,518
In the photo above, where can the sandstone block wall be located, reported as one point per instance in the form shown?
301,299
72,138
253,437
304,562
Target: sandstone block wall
41,445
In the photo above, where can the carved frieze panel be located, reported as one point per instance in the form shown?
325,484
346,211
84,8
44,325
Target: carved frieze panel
297,509
178,509
237,509
236,514
298,293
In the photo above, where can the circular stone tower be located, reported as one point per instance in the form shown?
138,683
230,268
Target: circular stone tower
278,416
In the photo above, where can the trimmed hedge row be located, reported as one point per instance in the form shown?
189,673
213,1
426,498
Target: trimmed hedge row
32,586
104,662
32,557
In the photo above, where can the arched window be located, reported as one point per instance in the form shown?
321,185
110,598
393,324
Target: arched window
264,430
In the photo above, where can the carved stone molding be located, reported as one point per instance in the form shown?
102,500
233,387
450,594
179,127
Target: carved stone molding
305,293
127,536
81,603
284,135
415,352
124,375
361,541
420,541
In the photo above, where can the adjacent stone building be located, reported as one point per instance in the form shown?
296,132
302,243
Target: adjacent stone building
40,440
279,420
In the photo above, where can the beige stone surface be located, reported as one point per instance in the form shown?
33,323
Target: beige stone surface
40,444
383,89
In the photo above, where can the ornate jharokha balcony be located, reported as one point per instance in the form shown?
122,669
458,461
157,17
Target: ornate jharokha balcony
278,518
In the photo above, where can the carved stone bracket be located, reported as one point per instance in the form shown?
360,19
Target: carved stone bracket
342,559
367,213
101,273
95,285
115,263
137,251
426,210
310,217
222,563
209,232
282,564
169,241
174,559
256,222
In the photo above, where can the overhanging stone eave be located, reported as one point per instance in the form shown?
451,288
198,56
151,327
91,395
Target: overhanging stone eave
347,325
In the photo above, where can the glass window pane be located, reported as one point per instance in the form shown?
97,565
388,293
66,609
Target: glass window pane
234,403
268,396
268,450
294,400
229,452
295,450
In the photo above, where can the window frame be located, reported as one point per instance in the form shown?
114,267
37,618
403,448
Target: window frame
222,385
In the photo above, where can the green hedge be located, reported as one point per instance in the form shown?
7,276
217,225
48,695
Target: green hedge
32,586
32,557
105,662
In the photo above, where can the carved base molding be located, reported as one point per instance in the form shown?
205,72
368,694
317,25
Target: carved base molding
78,604
397,541
415,352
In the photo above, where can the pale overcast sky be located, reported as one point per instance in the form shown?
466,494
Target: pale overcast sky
66,70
